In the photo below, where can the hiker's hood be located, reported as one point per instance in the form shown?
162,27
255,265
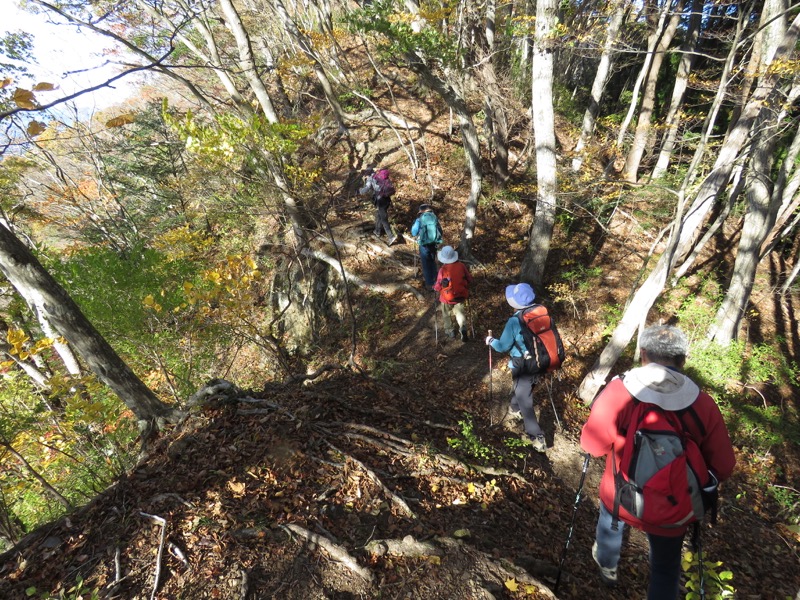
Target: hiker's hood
656,384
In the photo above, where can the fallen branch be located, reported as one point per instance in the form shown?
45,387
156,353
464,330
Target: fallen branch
337,553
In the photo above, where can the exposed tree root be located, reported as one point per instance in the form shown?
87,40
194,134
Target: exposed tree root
389,288
407,547
396,500
335,551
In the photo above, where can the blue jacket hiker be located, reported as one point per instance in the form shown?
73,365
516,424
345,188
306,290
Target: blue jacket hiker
520,296
428,232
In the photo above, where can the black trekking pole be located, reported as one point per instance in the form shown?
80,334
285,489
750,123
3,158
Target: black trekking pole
572,523
699,550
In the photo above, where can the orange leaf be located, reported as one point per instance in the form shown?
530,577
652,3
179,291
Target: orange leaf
121,120
44,87
4,83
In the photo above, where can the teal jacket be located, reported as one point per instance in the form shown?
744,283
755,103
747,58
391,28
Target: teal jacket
511,342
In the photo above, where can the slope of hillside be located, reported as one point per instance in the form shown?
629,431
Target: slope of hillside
404,480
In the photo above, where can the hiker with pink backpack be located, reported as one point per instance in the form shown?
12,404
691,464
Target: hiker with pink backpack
379,185
452,283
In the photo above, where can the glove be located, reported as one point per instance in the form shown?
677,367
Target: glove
710,496
489,340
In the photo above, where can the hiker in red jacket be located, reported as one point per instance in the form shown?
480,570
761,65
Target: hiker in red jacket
658,381
452,283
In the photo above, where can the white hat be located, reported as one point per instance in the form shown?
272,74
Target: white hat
447,255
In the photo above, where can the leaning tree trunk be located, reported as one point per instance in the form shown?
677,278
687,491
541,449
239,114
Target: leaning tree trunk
31,280
672,120
532,269
247,62
762,211
644,123
599,85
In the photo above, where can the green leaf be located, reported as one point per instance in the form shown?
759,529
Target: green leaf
726,575
30,591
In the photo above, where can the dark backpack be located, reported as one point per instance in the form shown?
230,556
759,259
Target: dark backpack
455,288
661,466
385,185
429,230
545,350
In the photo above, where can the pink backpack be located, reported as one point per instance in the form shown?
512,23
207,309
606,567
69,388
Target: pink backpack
385,185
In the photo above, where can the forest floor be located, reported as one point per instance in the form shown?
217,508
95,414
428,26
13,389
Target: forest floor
347,486
404,481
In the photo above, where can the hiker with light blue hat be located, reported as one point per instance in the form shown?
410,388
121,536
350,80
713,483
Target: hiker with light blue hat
520,296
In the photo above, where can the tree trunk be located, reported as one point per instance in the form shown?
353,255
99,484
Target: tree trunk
533,263
672,121
246,60
469,138
683,239
30,280
762,211
211,60
600,81
644,123
652,43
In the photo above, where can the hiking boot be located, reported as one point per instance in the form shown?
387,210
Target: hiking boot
514,414
609,576
464,337
538,442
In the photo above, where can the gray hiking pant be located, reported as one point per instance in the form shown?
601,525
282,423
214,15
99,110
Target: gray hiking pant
382,222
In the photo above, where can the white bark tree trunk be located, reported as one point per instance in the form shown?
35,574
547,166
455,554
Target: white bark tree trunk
672,122
600,81
652,41
246,61
532,269
644,122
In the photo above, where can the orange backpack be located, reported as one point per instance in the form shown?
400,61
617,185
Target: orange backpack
455,288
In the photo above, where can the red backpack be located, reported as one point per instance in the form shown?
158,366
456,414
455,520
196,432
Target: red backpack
455,288
542,340
661,470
